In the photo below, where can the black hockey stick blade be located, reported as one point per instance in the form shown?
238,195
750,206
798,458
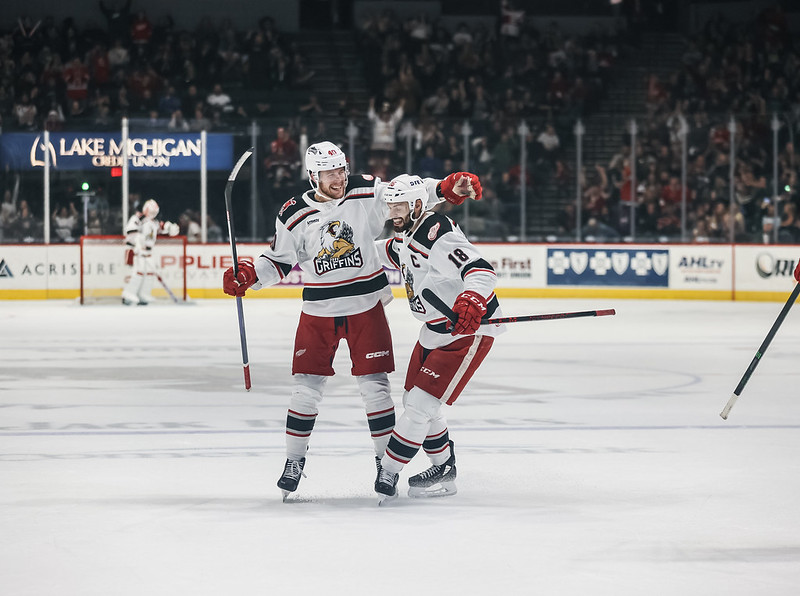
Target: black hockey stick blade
229,205
232,237
760,353
439,304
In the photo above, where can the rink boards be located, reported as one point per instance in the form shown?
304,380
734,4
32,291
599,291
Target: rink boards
658,271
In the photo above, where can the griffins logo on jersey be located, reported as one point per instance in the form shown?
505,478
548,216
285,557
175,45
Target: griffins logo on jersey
413,300
338,250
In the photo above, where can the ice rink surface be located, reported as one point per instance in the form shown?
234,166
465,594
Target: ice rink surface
591,456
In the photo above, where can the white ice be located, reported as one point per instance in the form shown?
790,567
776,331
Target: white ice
592,459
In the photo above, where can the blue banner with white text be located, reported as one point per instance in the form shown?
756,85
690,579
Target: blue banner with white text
85,151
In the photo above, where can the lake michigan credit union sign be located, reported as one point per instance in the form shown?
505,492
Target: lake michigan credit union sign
83,151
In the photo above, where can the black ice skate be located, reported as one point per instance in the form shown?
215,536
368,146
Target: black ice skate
385,484
292,472
436,481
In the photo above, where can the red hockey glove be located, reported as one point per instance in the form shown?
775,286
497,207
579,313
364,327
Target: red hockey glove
470,308
460,185
237,286
797,271
129,257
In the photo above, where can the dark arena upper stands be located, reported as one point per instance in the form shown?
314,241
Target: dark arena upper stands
608,120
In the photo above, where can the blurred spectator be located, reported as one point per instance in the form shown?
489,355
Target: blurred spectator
596,231
65,222
8,213
118,19
429,166
169,103
94,223
76,77
220,102
213,230
199,121
283,160
177,122
26,228
190,226
549,144
789,230
118,59
141,31
384,128
25,113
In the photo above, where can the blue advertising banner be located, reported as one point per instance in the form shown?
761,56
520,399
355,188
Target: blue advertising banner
607,267
84,151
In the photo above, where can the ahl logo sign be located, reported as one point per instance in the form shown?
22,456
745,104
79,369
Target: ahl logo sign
4,270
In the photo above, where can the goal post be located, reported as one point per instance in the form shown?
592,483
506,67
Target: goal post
104,272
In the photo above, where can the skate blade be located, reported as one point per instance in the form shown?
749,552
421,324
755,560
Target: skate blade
443,489
286,494
384,500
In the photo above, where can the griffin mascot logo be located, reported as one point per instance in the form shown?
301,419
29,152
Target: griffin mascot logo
337,249
413,299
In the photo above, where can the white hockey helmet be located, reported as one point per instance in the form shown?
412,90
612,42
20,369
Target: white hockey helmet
324,156
407,188
150,209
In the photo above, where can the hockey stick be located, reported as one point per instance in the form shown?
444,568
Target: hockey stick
166,287
439,304
154,271
229,211
763,348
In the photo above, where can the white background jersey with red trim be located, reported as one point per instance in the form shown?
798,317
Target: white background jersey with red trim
438,256
141,233
333,242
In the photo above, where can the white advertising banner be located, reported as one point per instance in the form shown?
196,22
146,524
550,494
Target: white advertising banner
765,268
701,267
517,265
752,272
39,267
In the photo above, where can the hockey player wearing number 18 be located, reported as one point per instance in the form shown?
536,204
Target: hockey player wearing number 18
141,232
330,232
431,252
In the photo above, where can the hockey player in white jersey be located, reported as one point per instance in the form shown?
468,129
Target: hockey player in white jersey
141,232
330,232
431,252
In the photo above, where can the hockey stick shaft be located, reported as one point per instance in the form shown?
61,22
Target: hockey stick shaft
760,353
232,237
439,304
149,265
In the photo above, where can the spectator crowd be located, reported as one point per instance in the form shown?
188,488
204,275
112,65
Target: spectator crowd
433,86
747,73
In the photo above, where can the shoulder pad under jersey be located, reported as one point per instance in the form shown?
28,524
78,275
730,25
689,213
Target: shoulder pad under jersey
434,227
294,211
360,186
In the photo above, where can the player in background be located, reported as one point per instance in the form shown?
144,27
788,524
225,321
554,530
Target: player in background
330,232
432,252
797,271
140,238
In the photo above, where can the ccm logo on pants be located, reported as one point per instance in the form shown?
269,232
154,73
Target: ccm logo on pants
377,354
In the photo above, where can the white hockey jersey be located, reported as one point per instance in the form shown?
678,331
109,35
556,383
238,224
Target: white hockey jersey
140,234
334,244
437,255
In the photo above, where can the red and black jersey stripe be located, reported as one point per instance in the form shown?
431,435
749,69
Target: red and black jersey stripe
359,287
392,252
475,266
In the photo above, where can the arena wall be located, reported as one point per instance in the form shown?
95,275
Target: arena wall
694,272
